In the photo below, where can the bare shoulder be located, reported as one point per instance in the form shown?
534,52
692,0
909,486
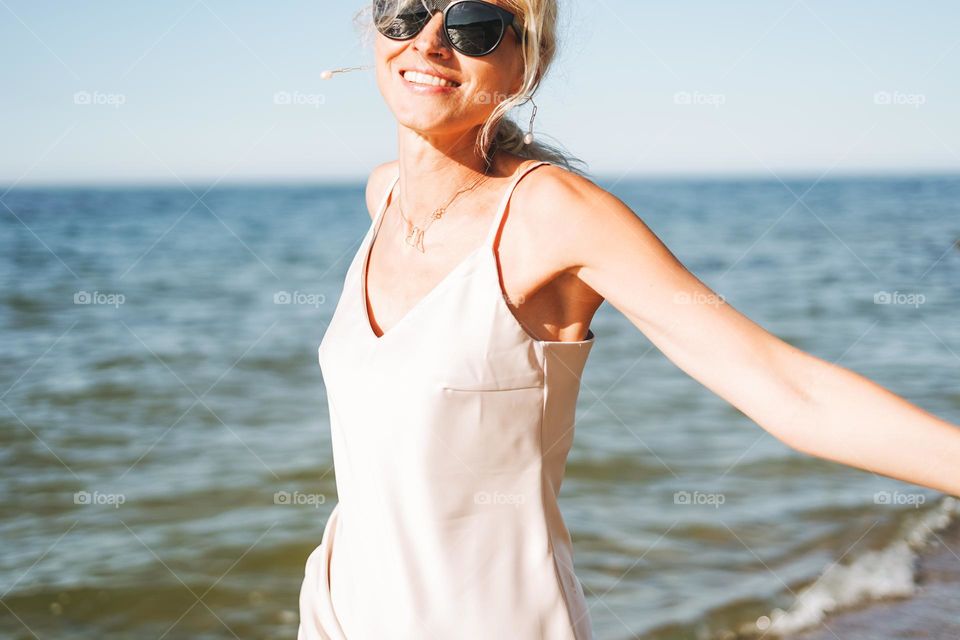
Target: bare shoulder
551,186
572,213
377,184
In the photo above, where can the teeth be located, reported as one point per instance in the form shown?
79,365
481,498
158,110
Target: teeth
422,78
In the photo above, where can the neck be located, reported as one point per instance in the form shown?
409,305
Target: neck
432,169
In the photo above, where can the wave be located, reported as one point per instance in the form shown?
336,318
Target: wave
889,572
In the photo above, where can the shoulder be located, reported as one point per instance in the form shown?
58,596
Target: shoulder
573,212
552,185
377,184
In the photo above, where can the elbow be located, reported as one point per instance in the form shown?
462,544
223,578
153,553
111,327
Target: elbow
794,420
800,409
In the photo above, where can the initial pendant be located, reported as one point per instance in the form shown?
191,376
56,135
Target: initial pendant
415,238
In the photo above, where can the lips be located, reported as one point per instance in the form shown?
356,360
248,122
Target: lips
428,79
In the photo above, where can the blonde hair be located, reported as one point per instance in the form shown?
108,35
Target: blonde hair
539,23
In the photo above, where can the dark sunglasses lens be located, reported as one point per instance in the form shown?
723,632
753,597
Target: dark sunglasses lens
474,28
400,19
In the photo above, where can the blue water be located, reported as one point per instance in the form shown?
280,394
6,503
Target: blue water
182,398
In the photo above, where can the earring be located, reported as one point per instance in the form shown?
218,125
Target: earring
528,139
328,74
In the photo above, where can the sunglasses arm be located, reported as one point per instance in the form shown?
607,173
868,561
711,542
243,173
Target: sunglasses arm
517,29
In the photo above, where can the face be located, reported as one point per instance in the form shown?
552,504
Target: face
435,90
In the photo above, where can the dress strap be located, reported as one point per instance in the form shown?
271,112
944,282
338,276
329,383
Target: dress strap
383,202
498,218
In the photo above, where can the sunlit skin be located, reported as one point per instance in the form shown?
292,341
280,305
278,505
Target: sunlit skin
567,245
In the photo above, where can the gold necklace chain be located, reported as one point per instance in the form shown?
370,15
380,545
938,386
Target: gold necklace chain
414,237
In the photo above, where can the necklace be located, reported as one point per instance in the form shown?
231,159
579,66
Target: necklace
415,236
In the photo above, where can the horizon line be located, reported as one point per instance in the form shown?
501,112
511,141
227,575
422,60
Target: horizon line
599,178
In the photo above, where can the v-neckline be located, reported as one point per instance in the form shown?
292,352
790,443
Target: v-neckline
365,299
487,245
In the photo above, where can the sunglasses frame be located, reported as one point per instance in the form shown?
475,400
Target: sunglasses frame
507,19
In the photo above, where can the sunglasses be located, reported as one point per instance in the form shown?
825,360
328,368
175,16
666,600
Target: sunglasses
472,27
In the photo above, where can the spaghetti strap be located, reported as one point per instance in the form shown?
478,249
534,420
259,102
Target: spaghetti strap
501,210
497,218
383,201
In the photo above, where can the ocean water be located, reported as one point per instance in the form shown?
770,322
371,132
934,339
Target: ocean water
166,462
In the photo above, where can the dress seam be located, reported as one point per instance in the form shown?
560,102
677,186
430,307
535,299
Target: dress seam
551,547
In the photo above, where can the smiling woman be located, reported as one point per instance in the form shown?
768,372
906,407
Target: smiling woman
453,359
476,29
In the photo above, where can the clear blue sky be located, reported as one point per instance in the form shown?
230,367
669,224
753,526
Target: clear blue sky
774,85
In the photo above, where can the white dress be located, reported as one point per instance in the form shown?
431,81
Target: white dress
450,437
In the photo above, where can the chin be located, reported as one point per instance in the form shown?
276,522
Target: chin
429,121
429,127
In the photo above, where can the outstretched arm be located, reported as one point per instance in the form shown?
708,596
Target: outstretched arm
811,405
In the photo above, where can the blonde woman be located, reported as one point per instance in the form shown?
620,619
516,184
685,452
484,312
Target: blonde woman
453,359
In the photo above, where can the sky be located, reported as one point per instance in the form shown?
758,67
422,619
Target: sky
116,92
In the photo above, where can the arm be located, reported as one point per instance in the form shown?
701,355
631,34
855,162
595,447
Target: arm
811,405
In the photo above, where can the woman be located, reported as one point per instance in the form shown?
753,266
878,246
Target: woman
452,362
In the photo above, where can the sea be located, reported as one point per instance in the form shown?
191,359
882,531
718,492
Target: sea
166,459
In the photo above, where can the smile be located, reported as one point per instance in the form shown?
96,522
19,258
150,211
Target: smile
426,79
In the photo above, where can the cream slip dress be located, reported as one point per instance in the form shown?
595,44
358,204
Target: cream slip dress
450,435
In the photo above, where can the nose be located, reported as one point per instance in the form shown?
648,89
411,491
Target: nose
430,42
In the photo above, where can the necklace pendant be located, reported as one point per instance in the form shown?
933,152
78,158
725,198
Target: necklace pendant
415,238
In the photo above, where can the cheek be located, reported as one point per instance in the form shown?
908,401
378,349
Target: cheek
385,52
491,86
500,74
